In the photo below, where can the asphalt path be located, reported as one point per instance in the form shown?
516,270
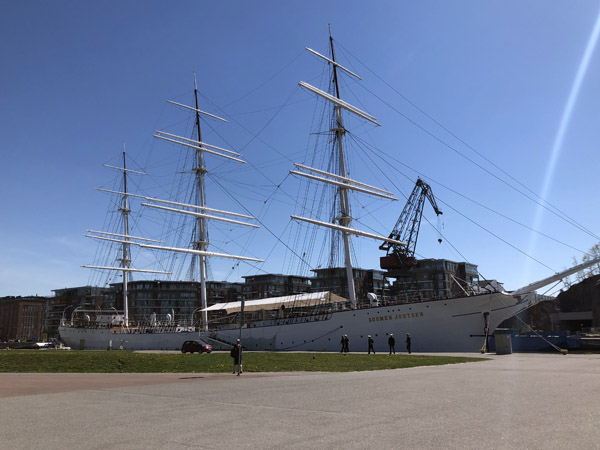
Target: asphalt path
518,401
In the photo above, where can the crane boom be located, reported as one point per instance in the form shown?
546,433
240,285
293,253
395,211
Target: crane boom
407,228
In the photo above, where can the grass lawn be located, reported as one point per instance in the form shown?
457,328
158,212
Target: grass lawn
49,361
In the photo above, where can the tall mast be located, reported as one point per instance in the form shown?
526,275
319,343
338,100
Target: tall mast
201,211
341,180
202,236
125,239
125,260
344,219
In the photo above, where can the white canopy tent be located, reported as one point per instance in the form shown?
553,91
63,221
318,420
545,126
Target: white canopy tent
297,300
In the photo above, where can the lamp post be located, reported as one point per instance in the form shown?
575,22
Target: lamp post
240,338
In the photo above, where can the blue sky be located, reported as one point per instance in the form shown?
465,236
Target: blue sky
79,78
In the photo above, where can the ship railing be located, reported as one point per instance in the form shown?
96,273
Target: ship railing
81,318
271,317
413,297
405,297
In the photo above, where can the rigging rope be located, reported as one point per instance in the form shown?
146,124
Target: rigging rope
557,212
467,198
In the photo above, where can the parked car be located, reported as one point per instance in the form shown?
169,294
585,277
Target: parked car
196,347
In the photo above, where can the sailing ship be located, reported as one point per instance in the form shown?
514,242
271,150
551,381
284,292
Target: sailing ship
318,321
307,321
98,330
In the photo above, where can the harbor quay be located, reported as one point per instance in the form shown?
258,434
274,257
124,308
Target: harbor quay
514,401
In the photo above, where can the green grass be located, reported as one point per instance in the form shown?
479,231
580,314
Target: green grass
36,361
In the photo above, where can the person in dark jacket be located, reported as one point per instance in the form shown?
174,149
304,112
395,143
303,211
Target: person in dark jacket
343,343
408,343
371,342
392,344
236,354
346,344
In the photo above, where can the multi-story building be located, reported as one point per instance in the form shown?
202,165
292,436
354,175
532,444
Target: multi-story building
167,297
66,300
334,279
159,297
87,297
435,278
22,318
223,292
274,285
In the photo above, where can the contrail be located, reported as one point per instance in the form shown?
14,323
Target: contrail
560,135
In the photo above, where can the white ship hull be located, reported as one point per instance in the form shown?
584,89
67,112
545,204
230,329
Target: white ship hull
104,338
449,325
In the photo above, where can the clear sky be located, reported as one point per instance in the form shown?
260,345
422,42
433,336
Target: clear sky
513,82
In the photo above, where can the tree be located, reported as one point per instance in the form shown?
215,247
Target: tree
592,253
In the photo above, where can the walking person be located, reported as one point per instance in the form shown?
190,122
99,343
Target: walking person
371,342
236,354
392,344
343,343
408,343
346,344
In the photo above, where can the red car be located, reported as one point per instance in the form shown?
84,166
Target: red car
196,347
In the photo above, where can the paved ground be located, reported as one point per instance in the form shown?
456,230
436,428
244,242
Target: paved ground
518,401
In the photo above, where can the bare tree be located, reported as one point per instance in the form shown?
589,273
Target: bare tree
592,253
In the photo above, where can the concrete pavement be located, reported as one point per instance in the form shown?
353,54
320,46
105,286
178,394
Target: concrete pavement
518,401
